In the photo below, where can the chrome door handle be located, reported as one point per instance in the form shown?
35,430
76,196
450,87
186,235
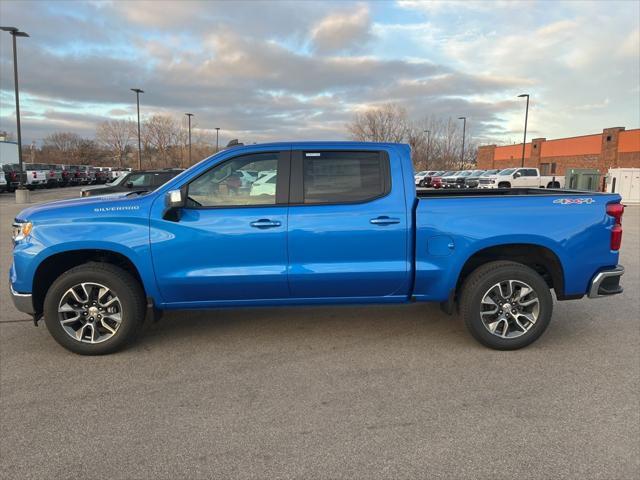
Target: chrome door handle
265,223
384,220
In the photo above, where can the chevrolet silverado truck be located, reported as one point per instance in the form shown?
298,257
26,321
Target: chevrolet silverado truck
343,225
521,177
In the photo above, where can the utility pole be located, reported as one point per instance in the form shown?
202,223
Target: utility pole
526,117
464,128
217,137
138,92
189,115
14,32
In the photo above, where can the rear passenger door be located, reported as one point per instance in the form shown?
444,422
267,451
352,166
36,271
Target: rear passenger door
348,226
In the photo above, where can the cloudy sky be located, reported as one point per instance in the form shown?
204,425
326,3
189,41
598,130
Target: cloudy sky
270,70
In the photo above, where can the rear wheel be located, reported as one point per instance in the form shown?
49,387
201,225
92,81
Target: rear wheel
506,305
94,309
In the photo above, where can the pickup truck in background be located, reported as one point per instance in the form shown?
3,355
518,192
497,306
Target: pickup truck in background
36,175
521,177
343,225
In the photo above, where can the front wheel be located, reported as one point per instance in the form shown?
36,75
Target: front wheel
506,305
94,309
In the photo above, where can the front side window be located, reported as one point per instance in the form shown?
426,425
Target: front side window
343,177
242,181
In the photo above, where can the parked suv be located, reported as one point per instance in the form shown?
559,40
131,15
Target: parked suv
133,181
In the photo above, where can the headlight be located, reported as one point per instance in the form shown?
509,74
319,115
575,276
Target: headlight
21,230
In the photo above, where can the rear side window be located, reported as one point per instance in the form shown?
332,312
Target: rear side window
344,177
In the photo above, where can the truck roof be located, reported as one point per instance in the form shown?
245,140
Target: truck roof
325,143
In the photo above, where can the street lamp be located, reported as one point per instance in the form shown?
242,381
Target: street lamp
138,92
428,132
464,128
189,115
217,137
526,117
14,32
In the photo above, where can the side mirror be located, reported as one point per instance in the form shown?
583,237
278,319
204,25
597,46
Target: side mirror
174,200
517,174
129,185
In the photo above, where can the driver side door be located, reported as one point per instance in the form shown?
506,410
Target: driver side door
230,241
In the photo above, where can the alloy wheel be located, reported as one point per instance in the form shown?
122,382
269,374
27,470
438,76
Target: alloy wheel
509,309
90,312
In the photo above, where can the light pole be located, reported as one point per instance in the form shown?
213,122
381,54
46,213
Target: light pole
464,128
14,32
217,137
138,92
428,132
189,115
526,117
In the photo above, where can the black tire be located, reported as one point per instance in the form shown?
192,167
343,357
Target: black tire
481,280
126,288
504,185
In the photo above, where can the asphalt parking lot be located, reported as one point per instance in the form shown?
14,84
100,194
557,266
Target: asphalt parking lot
340,392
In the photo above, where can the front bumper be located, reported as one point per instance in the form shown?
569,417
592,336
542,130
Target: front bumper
606,283
22,301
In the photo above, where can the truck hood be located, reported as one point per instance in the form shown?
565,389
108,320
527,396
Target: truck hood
113,201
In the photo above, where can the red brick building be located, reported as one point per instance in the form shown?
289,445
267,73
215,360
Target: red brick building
613,148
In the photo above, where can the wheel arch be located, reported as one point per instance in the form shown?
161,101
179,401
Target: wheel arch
538,257
56,264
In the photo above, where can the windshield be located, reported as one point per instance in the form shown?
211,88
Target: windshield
489,173
507,171
465,174
118,180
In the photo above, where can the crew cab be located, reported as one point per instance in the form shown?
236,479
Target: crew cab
343,225
520,177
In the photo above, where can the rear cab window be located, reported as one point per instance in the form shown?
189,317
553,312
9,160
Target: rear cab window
330,177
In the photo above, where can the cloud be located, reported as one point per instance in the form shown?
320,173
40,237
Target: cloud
278,70
342,31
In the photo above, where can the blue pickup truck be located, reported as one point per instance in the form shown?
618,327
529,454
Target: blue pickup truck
311,223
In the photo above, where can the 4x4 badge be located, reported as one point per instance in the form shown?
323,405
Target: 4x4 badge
574,201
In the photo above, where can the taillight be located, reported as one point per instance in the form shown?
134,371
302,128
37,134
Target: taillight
616,210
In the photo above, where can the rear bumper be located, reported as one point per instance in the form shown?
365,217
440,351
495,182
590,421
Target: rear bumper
22,301
606,283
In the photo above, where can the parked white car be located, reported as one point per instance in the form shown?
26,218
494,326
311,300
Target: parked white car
521,177
3,182
265,185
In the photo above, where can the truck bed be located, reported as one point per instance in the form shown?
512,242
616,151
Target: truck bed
493,192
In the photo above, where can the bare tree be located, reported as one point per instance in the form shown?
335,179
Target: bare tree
62,147
161,133
388,123
116,136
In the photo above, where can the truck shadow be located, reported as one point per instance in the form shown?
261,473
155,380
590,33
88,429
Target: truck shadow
306,325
